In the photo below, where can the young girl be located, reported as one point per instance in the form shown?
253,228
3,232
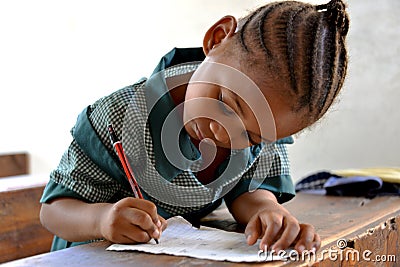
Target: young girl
210,124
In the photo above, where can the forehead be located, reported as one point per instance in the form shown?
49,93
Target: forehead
245,88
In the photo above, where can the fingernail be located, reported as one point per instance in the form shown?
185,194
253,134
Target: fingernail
301,248
158,224
248,236
264,247
156,233
276,249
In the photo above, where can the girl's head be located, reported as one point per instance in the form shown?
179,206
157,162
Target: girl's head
294,52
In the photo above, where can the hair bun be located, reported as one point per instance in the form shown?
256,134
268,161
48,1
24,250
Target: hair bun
336,14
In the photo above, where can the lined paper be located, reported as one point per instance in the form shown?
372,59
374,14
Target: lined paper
182,239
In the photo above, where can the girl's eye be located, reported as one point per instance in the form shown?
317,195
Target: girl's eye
224,106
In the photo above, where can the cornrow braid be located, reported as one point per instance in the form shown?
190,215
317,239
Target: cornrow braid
304,46
261,29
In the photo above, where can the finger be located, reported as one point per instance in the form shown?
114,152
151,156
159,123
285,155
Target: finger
163,223
253,230
135,235
142,204
317,242
142,219
289,234
273,228
306,238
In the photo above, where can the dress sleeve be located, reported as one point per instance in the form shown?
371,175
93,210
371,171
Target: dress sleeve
78,177
277,174
89,169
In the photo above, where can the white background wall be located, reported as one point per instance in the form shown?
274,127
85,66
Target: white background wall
363,128
56,57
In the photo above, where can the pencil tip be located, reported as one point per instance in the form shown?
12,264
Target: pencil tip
156,240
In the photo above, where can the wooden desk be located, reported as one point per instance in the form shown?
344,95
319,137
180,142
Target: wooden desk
363,223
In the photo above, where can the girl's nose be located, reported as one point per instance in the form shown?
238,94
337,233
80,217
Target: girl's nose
219,132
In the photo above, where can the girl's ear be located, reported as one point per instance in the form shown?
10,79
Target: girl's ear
222,29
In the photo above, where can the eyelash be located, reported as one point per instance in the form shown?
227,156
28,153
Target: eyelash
223,105
250,139
229,112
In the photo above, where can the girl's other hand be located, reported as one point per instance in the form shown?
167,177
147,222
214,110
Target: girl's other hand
279,230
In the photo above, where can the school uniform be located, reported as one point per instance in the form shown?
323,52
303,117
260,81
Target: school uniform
90,170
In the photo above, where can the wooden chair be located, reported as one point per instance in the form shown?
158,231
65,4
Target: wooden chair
21,233
14,164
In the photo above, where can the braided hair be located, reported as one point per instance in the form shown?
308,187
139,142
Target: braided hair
301,44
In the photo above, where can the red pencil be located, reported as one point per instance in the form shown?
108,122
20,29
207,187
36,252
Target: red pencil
117,144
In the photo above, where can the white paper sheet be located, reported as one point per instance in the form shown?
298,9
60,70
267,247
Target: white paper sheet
182,239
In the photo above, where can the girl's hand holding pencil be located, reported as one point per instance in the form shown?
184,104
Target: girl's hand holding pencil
132,220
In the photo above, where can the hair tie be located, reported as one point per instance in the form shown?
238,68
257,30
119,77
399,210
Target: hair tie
336,14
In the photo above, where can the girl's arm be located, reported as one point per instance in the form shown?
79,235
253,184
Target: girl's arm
130,220
265,218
